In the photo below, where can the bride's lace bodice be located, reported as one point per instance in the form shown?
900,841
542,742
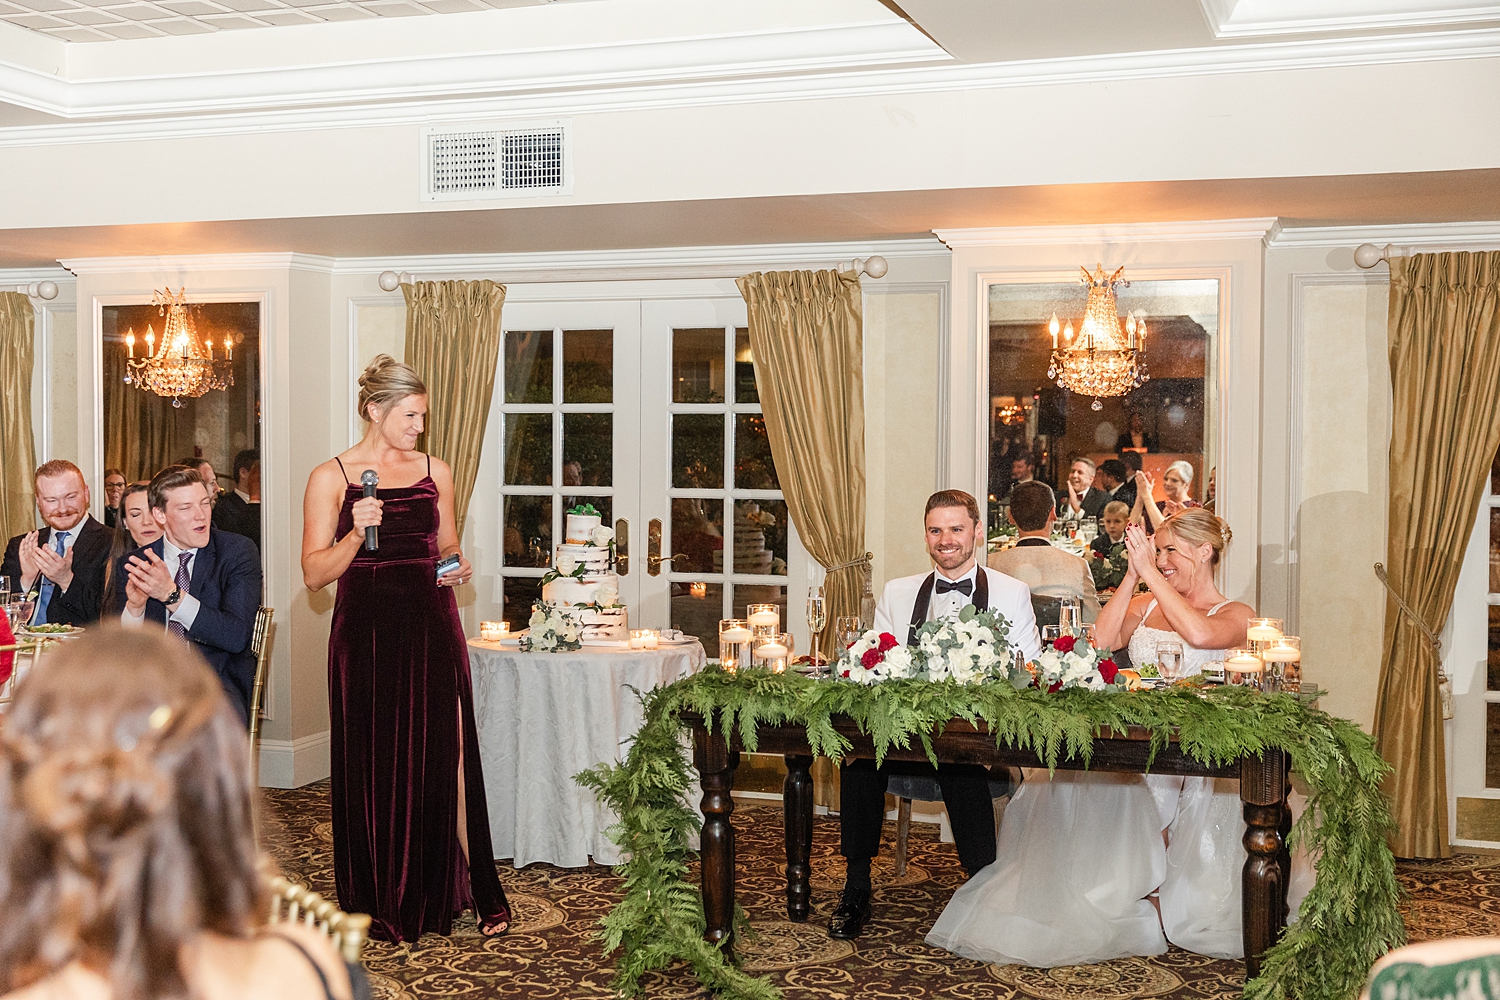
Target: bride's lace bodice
1144,639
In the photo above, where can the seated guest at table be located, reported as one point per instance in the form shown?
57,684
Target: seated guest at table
198,584
137,528
1045,569
64,562
411,831
1135,437
1080,852
129,866
1132,462
204,468
1113,475
1107,559
238,511
1022,470
114,485
1175,483
953,531
1081,498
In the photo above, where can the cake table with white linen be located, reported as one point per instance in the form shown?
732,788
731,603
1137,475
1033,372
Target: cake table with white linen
542,718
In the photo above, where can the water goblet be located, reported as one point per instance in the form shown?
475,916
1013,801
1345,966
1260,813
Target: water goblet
1169,659
1050,634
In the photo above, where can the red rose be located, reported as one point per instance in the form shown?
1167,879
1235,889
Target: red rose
1064,643
871,658
887,642
846,674
1056,687
1108,670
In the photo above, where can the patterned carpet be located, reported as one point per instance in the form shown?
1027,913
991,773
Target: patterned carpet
550,951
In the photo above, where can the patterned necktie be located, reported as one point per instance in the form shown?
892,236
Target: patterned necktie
45,597
182,580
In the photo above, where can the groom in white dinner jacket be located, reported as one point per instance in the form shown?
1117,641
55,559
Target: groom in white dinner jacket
954,531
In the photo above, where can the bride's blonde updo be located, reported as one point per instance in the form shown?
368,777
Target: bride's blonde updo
386,382
1198,526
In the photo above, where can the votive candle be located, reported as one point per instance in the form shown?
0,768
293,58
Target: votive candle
1264,629
493,631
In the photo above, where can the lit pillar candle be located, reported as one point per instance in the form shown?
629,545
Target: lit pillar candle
735,635
763,618
1281,654
1243,662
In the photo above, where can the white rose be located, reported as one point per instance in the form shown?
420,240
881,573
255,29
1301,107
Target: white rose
898,662
608,596
566,564
603,536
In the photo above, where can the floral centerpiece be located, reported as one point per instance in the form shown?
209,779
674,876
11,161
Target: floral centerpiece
968,649
1069,663
1109,570
550,631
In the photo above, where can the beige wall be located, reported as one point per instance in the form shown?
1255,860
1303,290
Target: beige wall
903,331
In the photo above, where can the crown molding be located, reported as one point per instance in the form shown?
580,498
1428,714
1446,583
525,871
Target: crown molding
1134,232
1250,18
393,93
200,263
1424,236
26,275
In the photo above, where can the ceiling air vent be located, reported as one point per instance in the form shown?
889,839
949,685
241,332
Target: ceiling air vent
478,162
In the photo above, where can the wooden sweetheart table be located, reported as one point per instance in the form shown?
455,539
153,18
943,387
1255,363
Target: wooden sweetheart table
1264,784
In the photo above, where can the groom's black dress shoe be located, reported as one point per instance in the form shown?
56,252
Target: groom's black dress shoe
849,920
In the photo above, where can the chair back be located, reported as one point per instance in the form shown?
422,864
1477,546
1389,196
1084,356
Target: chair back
262,651
34,647
292,903
1048,610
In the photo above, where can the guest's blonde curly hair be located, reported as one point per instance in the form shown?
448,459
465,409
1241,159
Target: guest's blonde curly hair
124,815
1198,526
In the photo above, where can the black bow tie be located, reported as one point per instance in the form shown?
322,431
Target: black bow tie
964,587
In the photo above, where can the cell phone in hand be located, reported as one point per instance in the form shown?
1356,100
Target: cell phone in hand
447,565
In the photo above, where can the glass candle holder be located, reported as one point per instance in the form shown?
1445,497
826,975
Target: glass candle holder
638,638
652,637
493,631
1263,630
765,619
1284,662
773,652
734,643
1244,666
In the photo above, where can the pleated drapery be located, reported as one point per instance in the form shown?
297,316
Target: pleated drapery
141,429
17,351
1444,330
453,342
807,338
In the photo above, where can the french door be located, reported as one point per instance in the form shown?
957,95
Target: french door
646,409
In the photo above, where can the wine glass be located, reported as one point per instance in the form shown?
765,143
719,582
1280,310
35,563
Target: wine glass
817,620
1050,634
4,591
1169,659
25,608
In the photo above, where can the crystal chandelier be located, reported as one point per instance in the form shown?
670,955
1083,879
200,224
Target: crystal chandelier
184,363
1106,358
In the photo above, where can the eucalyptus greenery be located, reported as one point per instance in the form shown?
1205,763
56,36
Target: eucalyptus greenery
1347,921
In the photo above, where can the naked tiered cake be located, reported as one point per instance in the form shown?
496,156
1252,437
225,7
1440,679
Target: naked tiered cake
590,597
750,552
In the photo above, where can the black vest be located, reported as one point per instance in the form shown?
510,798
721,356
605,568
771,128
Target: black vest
981,601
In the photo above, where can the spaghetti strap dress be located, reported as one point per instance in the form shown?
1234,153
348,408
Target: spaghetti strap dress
401,709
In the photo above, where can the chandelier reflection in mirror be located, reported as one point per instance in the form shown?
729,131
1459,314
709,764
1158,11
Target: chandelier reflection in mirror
1107,357
183,364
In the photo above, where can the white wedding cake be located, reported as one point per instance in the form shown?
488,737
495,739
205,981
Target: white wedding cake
585,590
750,552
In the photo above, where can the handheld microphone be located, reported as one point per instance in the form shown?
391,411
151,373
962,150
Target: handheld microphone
368,479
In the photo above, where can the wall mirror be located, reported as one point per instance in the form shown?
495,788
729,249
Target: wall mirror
1168,418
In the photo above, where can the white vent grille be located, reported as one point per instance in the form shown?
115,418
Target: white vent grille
479,163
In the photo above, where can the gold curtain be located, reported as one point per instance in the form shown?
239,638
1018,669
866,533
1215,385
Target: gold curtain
807,337
141,433
17,346
1444,330
453,341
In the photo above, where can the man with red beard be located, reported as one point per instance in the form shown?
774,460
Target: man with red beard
63,564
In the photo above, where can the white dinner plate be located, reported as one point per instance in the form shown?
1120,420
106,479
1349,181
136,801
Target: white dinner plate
687,641
606,643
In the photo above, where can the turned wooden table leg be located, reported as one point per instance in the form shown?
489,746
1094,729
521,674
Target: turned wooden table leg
797,812
1263,792
1284,856
716,855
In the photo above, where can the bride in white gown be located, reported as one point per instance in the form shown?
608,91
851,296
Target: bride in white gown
1078,854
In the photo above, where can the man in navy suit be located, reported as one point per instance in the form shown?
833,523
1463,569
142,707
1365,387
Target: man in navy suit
64,563
200,584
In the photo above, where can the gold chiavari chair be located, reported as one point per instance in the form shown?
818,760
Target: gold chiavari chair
291,903
262,652
33,647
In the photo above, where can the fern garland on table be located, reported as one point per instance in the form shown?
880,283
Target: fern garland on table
1347,921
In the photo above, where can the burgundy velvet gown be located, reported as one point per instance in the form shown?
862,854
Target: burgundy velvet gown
398,692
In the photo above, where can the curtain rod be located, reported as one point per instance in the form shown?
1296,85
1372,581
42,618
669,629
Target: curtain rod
1367,255
875,266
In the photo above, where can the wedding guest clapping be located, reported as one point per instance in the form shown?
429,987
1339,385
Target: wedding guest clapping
128,867
1081,498
63,563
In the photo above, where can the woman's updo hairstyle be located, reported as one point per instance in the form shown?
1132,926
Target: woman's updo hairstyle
1198,526
1183,469
385,383
125,815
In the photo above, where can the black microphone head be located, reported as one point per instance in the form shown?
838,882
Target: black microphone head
369,478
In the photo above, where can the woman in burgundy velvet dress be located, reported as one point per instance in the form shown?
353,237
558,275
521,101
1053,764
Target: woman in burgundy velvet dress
411,836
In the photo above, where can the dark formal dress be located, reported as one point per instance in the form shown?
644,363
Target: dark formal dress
402,712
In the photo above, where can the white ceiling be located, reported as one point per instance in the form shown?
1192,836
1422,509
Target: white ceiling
110,20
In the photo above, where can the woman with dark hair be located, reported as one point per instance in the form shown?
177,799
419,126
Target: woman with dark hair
128,867
136,528
411,833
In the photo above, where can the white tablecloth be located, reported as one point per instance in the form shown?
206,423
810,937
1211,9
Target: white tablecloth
542,718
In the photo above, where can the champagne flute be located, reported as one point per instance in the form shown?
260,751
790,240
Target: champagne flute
817,620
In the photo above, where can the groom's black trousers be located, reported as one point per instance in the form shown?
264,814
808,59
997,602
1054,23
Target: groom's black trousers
966,794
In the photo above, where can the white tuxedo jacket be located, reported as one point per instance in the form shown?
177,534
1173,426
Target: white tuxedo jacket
1008,596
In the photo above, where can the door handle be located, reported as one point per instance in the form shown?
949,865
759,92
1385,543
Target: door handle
622,547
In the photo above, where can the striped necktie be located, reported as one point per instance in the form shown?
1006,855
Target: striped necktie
182,580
